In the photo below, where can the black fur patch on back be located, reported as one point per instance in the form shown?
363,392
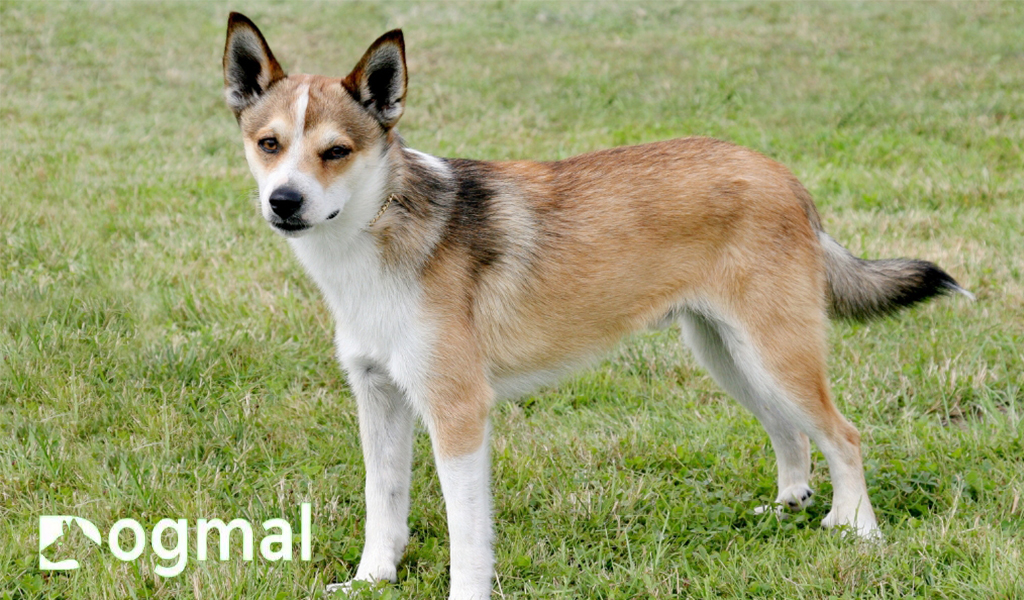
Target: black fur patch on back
471,220
427,190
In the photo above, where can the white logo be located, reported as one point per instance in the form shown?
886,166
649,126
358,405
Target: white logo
276,544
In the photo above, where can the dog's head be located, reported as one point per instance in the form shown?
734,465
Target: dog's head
314,144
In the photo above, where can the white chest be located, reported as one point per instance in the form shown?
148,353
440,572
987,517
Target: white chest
378,315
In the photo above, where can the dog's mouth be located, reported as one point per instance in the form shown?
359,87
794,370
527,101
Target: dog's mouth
290,226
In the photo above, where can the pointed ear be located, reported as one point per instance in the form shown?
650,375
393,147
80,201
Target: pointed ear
378,82
249,65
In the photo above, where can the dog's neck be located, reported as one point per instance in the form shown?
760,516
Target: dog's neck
423,187
396,236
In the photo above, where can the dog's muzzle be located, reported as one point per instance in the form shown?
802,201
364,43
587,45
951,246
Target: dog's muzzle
285,204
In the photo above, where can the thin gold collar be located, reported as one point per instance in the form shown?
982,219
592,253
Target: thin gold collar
380,213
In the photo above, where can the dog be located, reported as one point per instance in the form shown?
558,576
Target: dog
454,283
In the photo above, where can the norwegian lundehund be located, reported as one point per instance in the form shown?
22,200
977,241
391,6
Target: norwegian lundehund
454,283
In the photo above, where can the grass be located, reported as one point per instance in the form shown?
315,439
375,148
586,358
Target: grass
161,355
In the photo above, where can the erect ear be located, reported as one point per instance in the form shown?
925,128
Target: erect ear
378,82
249,65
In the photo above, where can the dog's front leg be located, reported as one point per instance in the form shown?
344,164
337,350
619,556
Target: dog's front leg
386,431
467,498
459,430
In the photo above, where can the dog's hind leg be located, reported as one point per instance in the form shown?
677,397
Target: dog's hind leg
792,448
771,359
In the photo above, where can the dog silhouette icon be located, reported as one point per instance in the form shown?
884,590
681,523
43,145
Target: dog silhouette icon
52,528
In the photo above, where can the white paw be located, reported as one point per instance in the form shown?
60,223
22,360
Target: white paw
860,523
794,498
475,593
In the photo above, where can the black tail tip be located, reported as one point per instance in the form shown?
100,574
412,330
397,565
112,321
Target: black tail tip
927,282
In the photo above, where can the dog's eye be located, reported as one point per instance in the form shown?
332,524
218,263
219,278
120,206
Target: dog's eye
269,145
336,152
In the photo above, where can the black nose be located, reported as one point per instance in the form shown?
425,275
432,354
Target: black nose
285,202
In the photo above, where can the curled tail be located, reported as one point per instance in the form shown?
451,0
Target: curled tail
862,289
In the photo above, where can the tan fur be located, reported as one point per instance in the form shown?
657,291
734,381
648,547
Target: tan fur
333,118
640,230
460,397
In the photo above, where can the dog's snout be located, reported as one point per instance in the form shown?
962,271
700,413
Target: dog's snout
285,202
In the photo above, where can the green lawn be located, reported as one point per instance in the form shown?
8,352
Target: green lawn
162,355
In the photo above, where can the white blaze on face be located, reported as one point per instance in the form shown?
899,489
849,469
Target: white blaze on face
287,171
